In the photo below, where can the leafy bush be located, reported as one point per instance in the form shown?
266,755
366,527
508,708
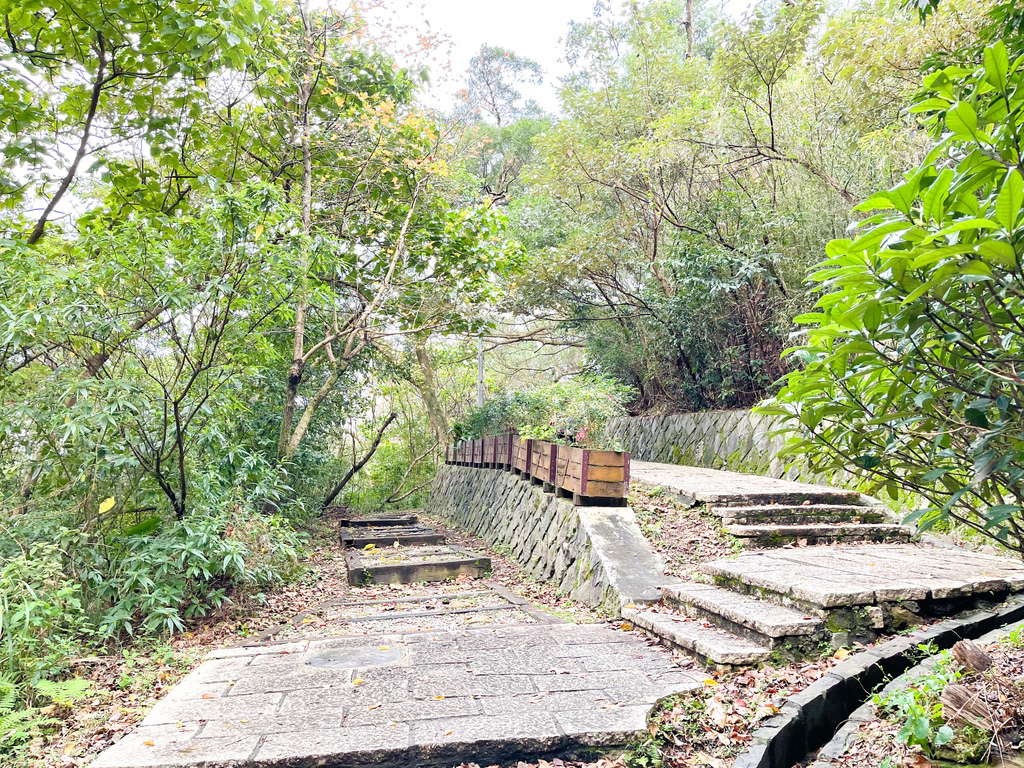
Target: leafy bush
42,614
912,367
156,581
920,710
573,411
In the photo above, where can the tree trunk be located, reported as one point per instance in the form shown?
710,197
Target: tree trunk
298,365
428,391
688,23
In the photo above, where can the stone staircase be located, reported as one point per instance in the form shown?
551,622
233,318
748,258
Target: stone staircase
723,627
746,621
787,603
770,521
396,549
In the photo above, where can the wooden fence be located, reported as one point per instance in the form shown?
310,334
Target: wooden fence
588,476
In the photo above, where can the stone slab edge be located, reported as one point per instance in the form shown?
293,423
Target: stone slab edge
811,718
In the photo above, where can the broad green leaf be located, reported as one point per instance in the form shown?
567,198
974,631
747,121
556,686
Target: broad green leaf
997,65
1010,201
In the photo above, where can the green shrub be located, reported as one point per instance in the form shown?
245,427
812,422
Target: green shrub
911,373
42,614
572,411
157,580
919,709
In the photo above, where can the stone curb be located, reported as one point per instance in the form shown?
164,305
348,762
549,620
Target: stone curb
827,710
847,734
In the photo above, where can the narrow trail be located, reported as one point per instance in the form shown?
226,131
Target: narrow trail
419,655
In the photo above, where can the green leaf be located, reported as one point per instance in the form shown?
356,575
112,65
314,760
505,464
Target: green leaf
144,527
976,418
963,120
997,65
873,315
1010,201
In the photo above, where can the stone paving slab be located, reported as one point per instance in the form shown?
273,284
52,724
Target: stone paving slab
772,621
790,514
837,576
710,643
477,696
404,535
693,485
378,521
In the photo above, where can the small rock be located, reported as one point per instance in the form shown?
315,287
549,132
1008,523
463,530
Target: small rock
902,617
876,617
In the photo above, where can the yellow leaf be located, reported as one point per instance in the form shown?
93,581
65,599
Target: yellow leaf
626,626
711,682
99,290
382,648
259,231
148,744
448,733
842,653
358,681
107,505
438,698
373,706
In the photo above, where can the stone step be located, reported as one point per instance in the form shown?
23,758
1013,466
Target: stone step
387,536
792,498
709,643
791,514
378,521
759,621
778,535
408,565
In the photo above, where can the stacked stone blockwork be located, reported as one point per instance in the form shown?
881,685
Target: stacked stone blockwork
595,554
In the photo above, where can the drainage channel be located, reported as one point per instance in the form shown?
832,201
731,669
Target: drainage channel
814,717
843,739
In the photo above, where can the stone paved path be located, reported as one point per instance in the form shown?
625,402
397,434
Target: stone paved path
712,486
482,695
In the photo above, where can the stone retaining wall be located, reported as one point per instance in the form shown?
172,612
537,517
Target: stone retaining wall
738,440
596,554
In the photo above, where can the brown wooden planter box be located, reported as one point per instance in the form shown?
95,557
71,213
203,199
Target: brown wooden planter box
503,455
523,456
489,458
589,475
545,460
